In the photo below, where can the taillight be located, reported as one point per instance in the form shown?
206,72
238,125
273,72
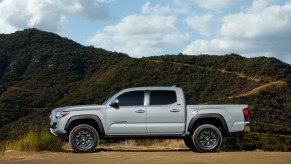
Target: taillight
246,114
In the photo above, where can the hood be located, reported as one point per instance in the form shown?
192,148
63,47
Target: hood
79,107
76,108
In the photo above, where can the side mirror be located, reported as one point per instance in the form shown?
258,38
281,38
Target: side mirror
114,103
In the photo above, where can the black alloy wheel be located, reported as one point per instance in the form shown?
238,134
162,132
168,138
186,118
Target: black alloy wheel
84,138
207,138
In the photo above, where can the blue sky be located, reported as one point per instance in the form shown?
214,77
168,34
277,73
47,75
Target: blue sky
139,28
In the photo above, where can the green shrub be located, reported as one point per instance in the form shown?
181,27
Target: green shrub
39,141
253,141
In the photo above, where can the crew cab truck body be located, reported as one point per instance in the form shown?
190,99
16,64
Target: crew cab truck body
148,112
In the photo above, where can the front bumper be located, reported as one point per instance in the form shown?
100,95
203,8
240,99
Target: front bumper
56,128
57,125
62,136
57,131
51,132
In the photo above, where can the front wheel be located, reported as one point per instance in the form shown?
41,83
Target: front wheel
207,138
84,138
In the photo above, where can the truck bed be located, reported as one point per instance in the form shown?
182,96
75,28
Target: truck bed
232,114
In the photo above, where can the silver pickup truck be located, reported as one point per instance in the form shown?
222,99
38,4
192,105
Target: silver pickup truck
148,112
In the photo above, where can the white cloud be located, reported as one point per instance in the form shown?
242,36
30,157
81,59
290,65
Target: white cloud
147,8
273,21
93,9
47,14
258,6
6,28
264,31
140,35
216,4
200,23
176,8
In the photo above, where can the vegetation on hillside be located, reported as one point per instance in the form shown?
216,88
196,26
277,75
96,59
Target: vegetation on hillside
37,139
40,71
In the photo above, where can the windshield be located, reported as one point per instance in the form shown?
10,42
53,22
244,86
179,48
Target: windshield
105,102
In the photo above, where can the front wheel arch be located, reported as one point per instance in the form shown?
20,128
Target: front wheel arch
89,119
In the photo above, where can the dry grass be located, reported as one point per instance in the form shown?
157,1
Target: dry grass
149,143
37,140
8,145
262,87
242,75
223,71
141,144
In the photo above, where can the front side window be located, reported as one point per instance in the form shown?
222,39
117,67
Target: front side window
162,97
133,98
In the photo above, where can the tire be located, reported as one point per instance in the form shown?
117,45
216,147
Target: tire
189,143
84,138
207,138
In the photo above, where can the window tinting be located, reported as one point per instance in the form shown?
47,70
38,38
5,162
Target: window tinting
162,97
133,98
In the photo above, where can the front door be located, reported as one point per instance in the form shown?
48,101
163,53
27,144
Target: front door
129,118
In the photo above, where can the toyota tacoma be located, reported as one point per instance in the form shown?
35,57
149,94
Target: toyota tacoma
148,112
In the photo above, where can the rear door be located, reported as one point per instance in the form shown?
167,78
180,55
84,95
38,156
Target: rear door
130,117
164,114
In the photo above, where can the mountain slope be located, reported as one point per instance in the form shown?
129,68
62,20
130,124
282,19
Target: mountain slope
270,101
40,71
39,68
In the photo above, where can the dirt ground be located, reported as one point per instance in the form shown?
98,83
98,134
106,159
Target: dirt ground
145,156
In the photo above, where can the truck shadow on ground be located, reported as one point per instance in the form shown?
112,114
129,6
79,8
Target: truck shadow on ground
138,150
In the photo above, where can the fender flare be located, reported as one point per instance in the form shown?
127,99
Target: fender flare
86,117
209,116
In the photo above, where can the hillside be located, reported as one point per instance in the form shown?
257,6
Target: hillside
40,71
270,100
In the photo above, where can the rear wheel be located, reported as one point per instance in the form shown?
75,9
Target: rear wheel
207,138
84,138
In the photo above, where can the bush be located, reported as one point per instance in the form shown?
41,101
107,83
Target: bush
253,141
34,140
39,141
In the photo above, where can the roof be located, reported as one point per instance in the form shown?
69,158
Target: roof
152,88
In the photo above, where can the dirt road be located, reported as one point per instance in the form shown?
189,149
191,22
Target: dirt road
148,156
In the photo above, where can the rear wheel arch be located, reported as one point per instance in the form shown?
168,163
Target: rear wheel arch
212,119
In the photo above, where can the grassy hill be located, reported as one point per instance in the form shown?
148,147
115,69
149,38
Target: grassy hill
40,71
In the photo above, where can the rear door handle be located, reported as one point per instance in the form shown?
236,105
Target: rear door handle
175,110
140,111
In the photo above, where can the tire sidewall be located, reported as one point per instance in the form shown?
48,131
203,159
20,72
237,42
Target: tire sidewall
88,128
199,130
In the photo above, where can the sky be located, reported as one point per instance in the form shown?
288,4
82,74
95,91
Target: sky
140,28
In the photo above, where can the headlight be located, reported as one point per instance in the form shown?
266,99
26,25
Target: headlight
62,114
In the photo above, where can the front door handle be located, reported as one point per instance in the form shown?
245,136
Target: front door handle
175,110
140,111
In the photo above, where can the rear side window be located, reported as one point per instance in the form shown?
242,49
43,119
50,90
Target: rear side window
133,98
162,97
